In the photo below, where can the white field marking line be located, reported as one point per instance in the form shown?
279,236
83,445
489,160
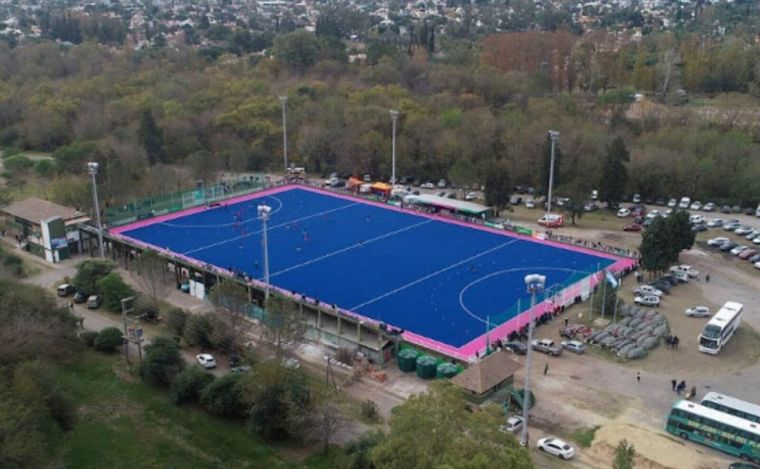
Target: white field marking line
289,222
353,246
223,225
431,275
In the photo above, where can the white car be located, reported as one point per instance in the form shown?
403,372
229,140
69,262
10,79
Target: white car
442,184
696,219
471,196
738,250
672,203
689,270
696,205
556,447
715,222
428,185
623,212
514,424
756,240
644,290
574,346
698,312
684,203
709,207
653,214
752,234
647,300
206,360
743,230
719,241
530,204
757,265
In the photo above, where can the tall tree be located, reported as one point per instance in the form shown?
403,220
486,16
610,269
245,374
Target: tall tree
614,173
283,321
152,279
498,186
233,307
151,138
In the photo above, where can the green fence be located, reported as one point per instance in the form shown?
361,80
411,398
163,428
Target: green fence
140,209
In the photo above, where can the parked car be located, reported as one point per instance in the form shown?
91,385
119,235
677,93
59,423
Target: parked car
696,205
747,253
574,346
590,207
473,196
663,285
717,242
715,223
725,209
684,203
755,258
442,184
594,194
551,220
689,270
752,234
756,240
743,230
725,247
699,228
647,300
93,301
709,207
428,185
644,290
546,346
653,214
636,198
698,312
696,219
632,227
681,277
514,424
530,204
65,289
206,360
738,249
672,203
623,212
556,447
757,265
515,347
80,297
736,209
731,226
749,211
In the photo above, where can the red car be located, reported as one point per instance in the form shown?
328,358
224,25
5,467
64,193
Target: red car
747,253
632,227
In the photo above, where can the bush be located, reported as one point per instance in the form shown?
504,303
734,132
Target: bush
369,410
145,309
45,168
176,319
108,340
88,337
224,397
198,331
88,274
113,289
162,363
187,386
17,163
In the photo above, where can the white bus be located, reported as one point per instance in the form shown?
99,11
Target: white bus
732,405
721,327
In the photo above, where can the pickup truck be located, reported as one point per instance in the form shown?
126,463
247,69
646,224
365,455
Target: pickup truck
546,346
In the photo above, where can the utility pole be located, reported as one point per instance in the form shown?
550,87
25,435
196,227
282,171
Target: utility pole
535,284
284,102
127,305
553,135
394,119
92,168
265,212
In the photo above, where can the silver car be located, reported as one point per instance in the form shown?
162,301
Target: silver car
574,346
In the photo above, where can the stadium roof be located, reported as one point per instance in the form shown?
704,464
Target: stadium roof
482,376
35,210
444,202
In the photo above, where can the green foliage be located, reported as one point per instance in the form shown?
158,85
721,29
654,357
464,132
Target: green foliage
88,338
585,436
604,299
176,319
162,362
73,158
45,168
498,186
11,264
435,429
369,410
5,197
198,330
187,385
664,240
151,138
624,455
298,50
359,451
224,397
614,173
108,340
89,273
616,96
113,289
17,164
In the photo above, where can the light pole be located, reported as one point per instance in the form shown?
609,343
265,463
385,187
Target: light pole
553,135
264,214
394,118
535,284
284,102
92,168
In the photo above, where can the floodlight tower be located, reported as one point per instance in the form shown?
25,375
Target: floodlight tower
284,102
92,168
553,135
265,211
394,119
535,284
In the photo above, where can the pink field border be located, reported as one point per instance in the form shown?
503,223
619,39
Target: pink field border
467,352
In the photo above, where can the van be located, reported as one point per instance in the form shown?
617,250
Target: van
684,203
65,289
757,211
93,302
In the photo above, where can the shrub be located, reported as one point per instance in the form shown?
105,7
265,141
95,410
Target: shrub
224,397
176,319
145,309
88,337
108,340
198,330
17,163
45,168
113,289
88,274
187,386
162,362
369,410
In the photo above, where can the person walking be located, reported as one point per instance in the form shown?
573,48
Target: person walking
673,384
566,320
638,376
546,369
707,278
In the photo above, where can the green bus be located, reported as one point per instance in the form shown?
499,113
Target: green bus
728,433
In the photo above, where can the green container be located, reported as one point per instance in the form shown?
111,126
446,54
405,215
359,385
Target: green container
427,367
447,370
407,360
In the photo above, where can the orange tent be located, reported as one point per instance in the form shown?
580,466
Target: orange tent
382,188
353,183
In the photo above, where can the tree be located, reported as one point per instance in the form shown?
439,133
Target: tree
498,187
624,455
113,289
176,319
108,340
223,396
151,138
5,197
198,331
435,429
680,232
614,173
232,309
162,362
664,240
298,49
463,173
575,206
151,270
187,385
359,451
89,273
325,418
283,321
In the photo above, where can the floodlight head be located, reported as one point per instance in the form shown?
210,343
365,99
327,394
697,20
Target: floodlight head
394,114
535,283
283,100
264,210
92,167
554,134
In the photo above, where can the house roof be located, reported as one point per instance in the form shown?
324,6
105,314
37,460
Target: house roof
487,373
36,210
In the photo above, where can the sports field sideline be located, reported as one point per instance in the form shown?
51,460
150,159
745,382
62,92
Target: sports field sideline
438,279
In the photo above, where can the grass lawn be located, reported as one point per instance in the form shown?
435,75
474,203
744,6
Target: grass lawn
124,423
